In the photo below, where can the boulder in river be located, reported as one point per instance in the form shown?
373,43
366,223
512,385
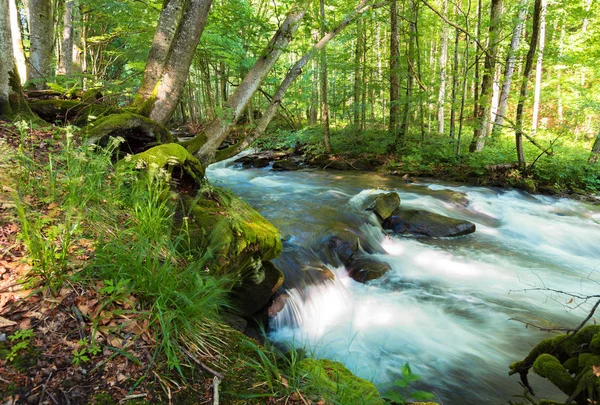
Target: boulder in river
340,246
385,204
362,268
420,222
285,165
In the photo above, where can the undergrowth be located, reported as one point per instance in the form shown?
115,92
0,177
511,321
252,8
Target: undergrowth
565,167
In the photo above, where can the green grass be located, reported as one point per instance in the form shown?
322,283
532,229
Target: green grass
76,193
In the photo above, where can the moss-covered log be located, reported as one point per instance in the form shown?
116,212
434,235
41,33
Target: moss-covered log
73,111
139,133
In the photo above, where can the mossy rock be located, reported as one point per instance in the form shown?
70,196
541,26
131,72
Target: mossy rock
386,204
549,367
168,156
238,235
332,377
140,133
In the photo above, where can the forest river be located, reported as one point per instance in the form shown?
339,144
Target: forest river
452,308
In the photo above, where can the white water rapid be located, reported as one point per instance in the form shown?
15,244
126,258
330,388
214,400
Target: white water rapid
446,306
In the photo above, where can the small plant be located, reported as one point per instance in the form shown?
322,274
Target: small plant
22,339
402,384
86,348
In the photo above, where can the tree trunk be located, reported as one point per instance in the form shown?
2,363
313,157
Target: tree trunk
176,69
324,104
595,150
314,97
217,130
443,60
523,93
356,109
509,68
483,108
403,133
17,41
12,101
394,70
168,21
454,80
538,70
41,35
66,54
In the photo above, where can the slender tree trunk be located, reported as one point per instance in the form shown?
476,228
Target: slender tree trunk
483,108
314,98
477,57
218,129
394,70
525,81
66,54
538,70
509,68
559,104
357,80
584,26
223,78
325,106
454,80
595,150
168,21
443,60
41,35
403,133
17,41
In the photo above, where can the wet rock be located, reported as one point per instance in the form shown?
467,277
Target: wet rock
277,305
252,296
363,268
285,165
367,164
385,204
338,165
340,246
419,222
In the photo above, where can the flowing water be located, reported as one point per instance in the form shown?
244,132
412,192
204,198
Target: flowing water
448,307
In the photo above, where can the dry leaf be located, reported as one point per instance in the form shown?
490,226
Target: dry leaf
596,370
6,322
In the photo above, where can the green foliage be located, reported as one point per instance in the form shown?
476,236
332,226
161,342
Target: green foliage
21,340
401,393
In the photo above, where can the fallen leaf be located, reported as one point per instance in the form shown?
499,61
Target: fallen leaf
6,322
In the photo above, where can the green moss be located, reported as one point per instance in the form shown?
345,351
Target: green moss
138,131
194,144
167,156
333,377
549,367
551,345
238,235
386,204
587,360
103,398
